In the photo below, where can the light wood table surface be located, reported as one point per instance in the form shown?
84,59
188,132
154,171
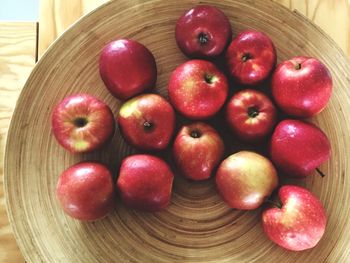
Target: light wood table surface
21,42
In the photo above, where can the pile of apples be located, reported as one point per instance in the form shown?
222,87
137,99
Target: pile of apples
300,88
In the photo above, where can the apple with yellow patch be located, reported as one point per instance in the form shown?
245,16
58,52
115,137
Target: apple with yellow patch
198,149
298,223
245,179
197,89
147,122
82,123
251,57
251,115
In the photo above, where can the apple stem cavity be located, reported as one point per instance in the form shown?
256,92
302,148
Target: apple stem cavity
195,134
246,57
276,204
209,78
297,66
147,126
320,172
80,122
253,112
203,38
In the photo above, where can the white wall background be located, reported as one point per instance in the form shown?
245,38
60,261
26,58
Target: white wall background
19,10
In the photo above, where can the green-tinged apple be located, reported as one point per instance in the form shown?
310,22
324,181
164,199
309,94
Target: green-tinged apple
245,179
198,149
147,121
300,221
82,123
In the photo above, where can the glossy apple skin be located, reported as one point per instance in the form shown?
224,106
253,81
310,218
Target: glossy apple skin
245,179
127,68
260,53
86,191
198,149
203,32
251,115
301,221
147,121
197,89
302,92
297,148
145,182
82,123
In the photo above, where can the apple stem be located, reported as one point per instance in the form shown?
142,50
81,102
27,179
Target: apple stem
80,122
274,203
320,172
203,38
195,134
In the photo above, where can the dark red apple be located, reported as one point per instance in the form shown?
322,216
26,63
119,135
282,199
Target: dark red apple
127,68
251,115
297,148
251,57
197,150
145,182
197,89
302,86
82,123
203,32
299,223
86,191
147,121
245,179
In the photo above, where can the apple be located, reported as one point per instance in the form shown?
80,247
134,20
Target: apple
203,32
145,182
251,57
82,123
302,86
197,89
127,68
245,179
147,121
251,115
299,222
297,148
85,191
197,150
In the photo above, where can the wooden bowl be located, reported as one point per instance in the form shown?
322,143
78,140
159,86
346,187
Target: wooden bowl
197,226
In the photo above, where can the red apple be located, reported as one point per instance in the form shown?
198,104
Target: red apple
147,121
302,86
197,89
251,115
245,179
198,149
203,31
82,123
251,57
127,68
298,148
145,182
299,223
86,191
